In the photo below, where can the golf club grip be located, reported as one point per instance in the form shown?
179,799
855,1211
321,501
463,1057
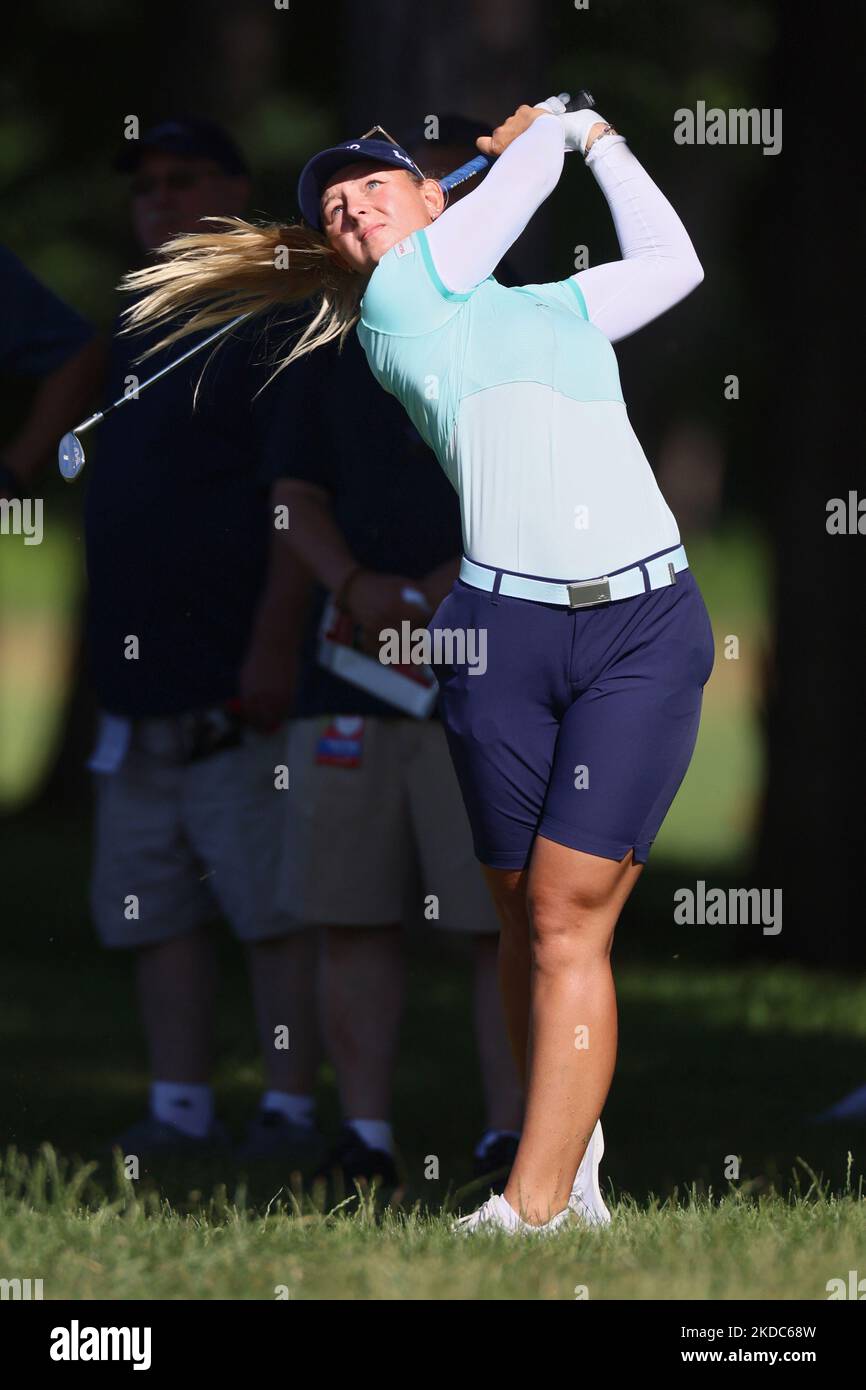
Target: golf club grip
581,102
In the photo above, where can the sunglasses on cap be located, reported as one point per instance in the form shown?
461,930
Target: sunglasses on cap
372,134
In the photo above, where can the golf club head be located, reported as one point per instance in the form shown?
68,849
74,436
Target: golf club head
70,457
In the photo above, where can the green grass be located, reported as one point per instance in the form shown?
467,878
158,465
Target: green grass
129,1245
717,1057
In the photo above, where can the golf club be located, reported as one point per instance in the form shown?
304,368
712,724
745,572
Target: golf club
582,102
70,453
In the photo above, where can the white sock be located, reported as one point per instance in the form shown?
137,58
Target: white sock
189,1108
490,1136
298,1109
377,1134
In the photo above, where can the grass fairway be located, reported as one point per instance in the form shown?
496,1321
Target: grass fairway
137,1246
721,1062
717,1058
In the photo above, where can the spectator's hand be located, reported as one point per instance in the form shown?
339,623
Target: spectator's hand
437,585
267,683
376,601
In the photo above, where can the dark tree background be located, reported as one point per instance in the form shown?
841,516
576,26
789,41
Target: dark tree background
810,233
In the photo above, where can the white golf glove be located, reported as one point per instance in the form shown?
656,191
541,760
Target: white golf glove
577,124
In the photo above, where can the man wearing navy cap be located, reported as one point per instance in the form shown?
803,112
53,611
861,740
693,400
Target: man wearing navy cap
190,138
177,169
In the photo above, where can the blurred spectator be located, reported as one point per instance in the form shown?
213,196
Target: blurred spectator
42,337
440,146
691,474
192,609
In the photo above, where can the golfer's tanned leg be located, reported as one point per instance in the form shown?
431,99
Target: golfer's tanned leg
573,901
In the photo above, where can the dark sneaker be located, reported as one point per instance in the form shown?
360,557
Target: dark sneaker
158,1137
850,1107
496,1160
352,1158
271,1135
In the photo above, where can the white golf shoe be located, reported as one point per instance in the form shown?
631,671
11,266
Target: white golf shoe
496,1215
586,1199
585,1205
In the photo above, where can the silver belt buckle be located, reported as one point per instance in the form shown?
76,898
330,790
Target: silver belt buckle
588,591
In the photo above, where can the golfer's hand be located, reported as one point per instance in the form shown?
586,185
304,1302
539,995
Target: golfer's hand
581,128
493,145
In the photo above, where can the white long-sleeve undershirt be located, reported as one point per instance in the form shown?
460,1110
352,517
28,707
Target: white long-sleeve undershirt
659,265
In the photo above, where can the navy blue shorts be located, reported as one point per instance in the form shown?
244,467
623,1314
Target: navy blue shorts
584,721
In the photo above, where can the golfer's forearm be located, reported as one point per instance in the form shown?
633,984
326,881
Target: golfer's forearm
468,241
659,265
646,224
313,534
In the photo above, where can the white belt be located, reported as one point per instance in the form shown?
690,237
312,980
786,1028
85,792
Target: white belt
662,570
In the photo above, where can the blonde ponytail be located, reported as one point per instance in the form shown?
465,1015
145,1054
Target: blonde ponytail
209,278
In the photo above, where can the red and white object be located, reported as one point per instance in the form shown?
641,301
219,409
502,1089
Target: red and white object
410,688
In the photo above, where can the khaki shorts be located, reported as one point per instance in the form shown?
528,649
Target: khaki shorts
190,841
366,845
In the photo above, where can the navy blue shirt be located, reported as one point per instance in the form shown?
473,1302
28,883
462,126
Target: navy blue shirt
38,332
178,525
396,509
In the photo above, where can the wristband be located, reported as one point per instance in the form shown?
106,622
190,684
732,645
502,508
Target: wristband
577,126
605,135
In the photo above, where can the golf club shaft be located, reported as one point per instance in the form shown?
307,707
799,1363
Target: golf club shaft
212,337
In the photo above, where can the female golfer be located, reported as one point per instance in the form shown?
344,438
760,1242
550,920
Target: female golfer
571,739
